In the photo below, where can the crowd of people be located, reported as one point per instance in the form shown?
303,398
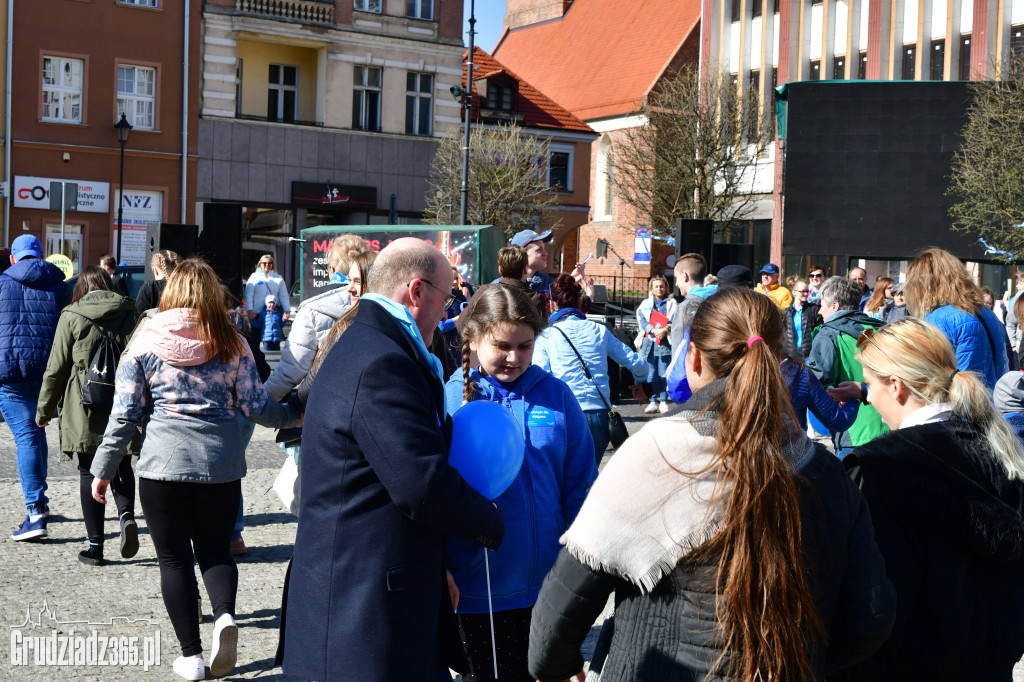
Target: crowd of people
735,544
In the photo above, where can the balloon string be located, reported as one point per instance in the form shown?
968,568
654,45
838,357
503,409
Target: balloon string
490,613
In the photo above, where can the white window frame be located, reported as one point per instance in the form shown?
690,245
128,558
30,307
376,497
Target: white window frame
281,89
605,190
361,87
133,104
414,9
368,6
418,98
59,91
556,148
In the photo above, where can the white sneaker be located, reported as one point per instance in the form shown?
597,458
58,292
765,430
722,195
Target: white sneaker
190,668
225,646
651,408
663,408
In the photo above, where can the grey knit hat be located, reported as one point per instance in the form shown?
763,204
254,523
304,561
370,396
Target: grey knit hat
1008,395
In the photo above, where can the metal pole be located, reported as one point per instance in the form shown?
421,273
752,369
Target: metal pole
120,207
63,211
468,108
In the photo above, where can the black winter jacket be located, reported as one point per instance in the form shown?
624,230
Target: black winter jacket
669,634
809,319
948,521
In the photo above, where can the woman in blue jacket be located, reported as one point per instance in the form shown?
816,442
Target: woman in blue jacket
569,328
941,291
558,469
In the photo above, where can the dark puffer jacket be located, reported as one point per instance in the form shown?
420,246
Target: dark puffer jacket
31,298
669,634
948,522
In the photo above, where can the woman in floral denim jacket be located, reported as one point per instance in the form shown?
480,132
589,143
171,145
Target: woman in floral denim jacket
181,381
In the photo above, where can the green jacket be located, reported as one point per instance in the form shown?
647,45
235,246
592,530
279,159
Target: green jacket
832,362
79,331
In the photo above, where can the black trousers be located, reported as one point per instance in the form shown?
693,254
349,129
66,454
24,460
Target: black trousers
511,637
192,517
122,485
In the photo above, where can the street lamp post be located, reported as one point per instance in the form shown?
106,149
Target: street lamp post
123,129
468,103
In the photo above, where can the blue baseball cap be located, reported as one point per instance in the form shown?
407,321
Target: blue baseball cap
26,245
526,236
771,269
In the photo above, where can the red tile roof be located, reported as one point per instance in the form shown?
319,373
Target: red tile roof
539,111
603,56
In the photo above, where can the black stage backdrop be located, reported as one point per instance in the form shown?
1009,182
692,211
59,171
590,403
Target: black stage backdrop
867,167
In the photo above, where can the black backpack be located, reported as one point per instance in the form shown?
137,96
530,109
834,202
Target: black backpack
98,389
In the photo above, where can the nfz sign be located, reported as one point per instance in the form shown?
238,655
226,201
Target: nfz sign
33,192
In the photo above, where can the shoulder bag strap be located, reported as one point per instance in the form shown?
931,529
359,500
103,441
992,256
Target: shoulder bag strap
584,365
991,343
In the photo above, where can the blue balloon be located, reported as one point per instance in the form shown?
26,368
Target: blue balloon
487,447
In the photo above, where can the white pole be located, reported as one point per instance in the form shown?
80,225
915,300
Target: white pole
490,614
63,207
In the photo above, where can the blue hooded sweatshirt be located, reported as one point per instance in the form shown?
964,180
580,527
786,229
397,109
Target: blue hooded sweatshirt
558,470
31,298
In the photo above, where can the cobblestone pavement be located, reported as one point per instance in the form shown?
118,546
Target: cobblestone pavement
45,585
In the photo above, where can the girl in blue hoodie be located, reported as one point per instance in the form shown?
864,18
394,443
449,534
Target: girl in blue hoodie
558,469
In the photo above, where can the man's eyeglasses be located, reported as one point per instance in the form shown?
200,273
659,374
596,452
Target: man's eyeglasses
451,297
816,275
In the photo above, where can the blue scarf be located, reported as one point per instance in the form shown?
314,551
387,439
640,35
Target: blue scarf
402,316
563,313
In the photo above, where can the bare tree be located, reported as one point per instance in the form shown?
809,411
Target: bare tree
506,180
696,155
988,169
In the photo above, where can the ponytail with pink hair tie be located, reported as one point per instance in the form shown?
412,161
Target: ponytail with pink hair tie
752,339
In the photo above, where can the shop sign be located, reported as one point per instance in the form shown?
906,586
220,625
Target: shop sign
325,194
33,192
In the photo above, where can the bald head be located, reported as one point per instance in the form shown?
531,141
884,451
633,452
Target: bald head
402,260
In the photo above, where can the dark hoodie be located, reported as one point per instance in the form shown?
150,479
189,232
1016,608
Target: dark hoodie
31,297
832,361
948,521
79,330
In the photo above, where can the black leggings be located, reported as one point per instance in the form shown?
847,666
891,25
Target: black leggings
187,517
122,485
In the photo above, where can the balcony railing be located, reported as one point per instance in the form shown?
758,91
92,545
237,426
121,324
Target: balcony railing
305,11
267,119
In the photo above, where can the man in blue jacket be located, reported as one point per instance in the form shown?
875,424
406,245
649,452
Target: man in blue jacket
31,297
368,599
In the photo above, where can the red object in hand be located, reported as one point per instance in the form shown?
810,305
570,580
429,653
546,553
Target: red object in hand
658,321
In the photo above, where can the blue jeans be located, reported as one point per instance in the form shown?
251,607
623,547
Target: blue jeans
18,400
597,420
656,375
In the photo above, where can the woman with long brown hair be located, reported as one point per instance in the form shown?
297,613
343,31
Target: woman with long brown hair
182,380
881,298
736,548
95,312
940,291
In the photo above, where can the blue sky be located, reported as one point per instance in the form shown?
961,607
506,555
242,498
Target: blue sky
489,17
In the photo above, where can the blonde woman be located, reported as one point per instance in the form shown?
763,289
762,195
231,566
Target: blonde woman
946,489
183,379
939,290
265,282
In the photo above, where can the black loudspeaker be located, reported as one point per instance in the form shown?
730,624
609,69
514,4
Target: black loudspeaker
177,237
220,242
694,236
731,254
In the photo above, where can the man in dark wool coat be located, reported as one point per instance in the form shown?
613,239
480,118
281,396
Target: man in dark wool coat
368,598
